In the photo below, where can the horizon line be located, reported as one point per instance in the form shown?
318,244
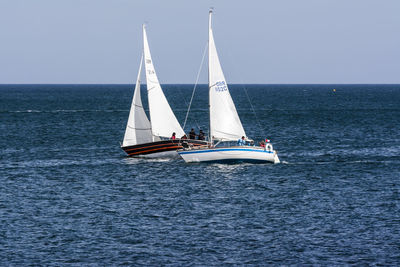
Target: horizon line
202,84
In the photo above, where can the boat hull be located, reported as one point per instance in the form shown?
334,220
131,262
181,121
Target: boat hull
230,154
161,149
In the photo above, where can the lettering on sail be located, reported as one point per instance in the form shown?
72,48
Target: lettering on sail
220,86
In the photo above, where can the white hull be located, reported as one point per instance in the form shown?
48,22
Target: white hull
230,154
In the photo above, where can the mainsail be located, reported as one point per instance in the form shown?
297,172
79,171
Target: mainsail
138,129
225,123
163,120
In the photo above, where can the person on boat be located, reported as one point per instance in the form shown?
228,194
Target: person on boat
192,134
241,141
184,136
262,144
173,137
201,135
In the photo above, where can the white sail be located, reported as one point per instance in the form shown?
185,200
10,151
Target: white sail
138,129
163,120
224,120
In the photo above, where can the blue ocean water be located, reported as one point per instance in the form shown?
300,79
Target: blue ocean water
69,196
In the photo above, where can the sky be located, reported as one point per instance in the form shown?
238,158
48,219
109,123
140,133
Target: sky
258,41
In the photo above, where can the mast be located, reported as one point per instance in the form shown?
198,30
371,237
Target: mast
143,51
225,124
209,85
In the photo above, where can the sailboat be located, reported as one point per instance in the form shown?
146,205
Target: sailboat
225,124
152,138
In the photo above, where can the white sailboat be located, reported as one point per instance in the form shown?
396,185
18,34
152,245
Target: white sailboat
225,124
152,138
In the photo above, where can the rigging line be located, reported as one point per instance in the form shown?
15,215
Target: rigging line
184,100
186,103
247,95
195,85
254,111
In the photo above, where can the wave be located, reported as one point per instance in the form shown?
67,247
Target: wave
347,152
343,162
64,110
56,163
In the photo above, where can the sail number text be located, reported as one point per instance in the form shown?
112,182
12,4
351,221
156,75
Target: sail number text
220,86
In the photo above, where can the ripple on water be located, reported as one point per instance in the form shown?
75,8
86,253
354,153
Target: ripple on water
69,196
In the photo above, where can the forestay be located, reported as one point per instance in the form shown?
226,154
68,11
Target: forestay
225,123
138,129
163,120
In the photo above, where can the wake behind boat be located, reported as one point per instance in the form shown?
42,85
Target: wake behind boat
152,138
225,124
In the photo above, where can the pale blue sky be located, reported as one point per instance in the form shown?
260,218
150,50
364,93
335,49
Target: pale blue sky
260,41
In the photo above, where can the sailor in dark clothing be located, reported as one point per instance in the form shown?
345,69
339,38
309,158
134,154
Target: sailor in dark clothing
201,135
192,134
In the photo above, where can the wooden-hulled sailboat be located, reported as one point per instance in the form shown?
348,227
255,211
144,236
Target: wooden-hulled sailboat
225,124
146,138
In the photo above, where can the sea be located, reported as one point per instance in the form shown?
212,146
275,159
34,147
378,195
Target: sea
69,196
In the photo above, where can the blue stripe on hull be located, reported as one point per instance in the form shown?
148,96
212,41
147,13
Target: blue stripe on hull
234,161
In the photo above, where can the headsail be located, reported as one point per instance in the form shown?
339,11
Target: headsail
224,120
138,129
163,120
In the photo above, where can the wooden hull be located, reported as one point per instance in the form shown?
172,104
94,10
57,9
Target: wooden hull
165,148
